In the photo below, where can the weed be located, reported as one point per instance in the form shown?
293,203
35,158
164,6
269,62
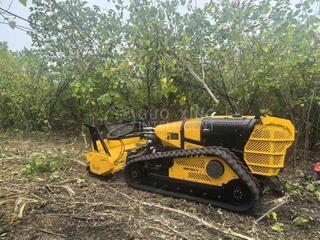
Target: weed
41,163
266,190
300,221
273,214
310,187
277,227
79,180
219,211
193,210
37,163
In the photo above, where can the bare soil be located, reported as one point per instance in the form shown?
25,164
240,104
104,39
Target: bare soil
77,206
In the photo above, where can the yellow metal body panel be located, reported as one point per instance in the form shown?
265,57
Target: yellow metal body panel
102,163
194,169
188,145
192,129
265,150
165,131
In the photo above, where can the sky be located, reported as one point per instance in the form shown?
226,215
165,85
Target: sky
18,39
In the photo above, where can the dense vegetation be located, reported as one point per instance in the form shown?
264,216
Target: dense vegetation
255,56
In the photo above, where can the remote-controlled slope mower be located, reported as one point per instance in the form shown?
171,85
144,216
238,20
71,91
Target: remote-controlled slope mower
213,160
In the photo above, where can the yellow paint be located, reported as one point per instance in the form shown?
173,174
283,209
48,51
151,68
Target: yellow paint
188,145
265,150
192,129
102,164
164,131
193,169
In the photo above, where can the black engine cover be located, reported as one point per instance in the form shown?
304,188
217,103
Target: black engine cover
231,133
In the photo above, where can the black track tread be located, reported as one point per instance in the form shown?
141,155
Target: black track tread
229,157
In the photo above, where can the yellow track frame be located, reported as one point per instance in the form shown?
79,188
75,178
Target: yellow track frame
193,169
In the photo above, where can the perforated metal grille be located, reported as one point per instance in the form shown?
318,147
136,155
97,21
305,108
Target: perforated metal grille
199,176
265,170
277,160
191,163
256,158
280,147
276,171
260,169
261,132
281,133
265,150
258,146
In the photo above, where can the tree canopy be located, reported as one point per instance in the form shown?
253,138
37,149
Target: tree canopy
255,56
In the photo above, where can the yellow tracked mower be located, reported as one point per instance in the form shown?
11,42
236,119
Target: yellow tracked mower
213,160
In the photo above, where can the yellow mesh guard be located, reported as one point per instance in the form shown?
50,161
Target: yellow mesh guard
265,150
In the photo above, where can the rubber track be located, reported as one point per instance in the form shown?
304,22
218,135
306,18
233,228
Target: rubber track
229,157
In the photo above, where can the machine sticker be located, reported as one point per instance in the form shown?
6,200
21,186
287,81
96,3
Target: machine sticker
191,169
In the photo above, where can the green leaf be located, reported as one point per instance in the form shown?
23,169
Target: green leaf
193,209
12,24
310,187
300,221
317,193
291,29
277,227
108,98
164,81
284,26
79,180
296,13
219,211
298,5
132,38
23,2
182,101
83,89
172,89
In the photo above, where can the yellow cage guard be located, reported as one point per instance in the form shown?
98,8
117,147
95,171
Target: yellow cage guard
265,150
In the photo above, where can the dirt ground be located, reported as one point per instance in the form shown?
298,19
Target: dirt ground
67,203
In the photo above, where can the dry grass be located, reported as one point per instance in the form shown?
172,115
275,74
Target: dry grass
96,209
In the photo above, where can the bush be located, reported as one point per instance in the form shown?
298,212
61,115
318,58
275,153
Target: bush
40,163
